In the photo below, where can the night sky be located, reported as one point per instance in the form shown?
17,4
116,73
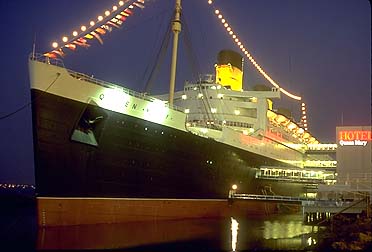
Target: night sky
318,49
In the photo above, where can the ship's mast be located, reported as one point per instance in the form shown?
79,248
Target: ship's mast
176,28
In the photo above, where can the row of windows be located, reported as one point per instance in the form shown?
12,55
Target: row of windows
238,124
221,96
226,123
202,88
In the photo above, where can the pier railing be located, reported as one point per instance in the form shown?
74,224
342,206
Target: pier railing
269,197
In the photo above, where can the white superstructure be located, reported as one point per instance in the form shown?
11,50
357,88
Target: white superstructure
243,119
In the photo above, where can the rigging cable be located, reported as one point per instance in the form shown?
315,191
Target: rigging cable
190,52
159,59
153,58
195,69
32,100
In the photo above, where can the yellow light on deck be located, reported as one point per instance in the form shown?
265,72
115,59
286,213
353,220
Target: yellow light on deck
209,1
83,28
237,112
223,20
306,135
65,39
107,13
114,8
216,11
74,33
220,16
234,187
54,44
121,3
92,23
204,130
291,126
100,18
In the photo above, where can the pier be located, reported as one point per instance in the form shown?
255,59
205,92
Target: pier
320,210
313,209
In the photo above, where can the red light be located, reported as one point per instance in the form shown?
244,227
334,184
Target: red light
351,135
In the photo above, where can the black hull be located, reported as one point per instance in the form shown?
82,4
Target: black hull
115,155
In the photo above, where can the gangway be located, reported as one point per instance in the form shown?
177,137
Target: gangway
280,198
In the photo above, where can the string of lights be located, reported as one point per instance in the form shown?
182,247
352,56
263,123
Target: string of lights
104,23
235,38
303,116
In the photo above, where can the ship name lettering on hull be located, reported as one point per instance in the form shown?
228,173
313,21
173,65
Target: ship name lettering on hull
128,104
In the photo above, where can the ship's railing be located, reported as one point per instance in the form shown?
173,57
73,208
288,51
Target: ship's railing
204,124
321,163
41,58
87,78
321,147
248,127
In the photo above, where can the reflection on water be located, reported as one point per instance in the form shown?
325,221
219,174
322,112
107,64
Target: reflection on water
273,233
286,232
278,229
234,233
128,235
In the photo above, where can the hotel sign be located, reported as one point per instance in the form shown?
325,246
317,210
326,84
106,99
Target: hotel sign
354,137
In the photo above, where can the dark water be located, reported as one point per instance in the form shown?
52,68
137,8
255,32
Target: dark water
17,221
19,232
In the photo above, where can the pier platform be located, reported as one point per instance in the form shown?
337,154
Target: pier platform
332,206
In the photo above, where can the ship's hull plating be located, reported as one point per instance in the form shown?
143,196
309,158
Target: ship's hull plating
82,150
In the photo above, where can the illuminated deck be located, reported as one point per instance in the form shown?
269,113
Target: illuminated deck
299,175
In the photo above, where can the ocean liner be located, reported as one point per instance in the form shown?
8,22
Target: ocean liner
104,153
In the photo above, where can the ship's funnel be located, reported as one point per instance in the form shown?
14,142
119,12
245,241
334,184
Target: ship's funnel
229,70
